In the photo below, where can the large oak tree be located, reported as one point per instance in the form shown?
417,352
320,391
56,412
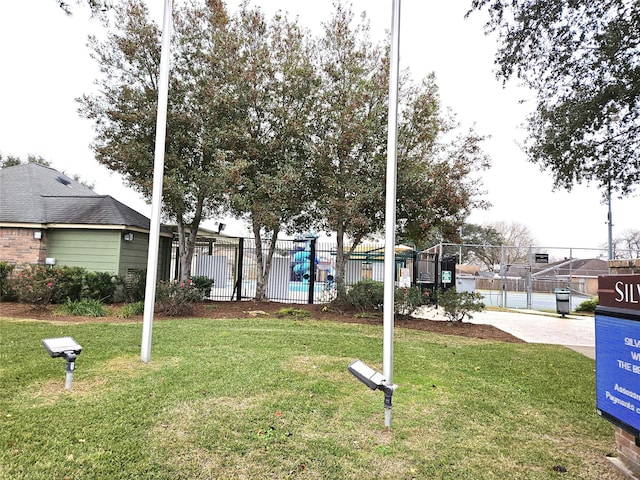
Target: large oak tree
581,61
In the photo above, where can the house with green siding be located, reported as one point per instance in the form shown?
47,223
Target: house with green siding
49,219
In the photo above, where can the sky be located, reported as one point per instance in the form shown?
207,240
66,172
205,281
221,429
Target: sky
46,66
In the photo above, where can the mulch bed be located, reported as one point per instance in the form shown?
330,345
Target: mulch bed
251,309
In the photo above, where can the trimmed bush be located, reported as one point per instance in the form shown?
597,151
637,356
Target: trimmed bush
69,281
408,300
457,306
366,295
5,272
588,306
99,286
134,285
63,284
176,298
203,284
34,285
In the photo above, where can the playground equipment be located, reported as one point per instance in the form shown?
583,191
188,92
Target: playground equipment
302,263
303,260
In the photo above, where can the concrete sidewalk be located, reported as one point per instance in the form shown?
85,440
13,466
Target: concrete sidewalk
574,332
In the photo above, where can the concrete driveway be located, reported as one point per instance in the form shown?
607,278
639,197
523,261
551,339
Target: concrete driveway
574,332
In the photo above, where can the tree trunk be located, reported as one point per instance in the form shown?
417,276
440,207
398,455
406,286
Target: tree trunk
342,258
187,236
341,261
264,264
186,244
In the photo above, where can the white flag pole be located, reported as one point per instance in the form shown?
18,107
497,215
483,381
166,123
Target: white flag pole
158,172
390,211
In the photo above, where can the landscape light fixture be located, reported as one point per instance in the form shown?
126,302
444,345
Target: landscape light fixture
67,348
372,379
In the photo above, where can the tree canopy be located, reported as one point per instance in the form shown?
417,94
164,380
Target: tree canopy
201,110
97,7
437,185
12,160
479,245
270,183
499,244
581,61
627,245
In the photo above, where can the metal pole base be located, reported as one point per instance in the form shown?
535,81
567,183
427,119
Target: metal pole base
69,379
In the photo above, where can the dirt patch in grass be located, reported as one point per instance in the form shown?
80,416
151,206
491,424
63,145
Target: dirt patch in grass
252,309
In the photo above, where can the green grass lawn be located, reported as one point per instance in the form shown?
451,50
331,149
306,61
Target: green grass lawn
260,399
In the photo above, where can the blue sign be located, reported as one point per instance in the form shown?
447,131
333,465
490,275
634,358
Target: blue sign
618,369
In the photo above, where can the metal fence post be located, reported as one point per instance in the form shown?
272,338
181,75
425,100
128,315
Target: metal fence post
312,269
239,268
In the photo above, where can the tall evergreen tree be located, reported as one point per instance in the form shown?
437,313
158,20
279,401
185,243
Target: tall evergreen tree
437,183
271,185
201,110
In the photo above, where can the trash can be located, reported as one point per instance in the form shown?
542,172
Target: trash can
562,301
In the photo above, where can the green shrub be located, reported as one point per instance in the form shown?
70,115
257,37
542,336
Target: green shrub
69,282
131,309
407,300
291,312
34,285
457,306
99,286
176,298
5,290
62,284
366,295
83,308
134,286
588,306
203,284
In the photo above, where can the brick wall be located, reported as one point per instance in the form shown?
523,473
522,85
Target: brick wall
626,448
17,246
625,267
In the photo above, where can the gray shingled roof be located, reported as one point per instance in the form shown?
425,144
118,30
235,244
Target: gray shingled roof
33,193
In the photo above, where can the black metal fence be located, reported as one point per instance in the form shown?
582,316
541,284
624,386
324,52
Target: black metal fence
302,271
